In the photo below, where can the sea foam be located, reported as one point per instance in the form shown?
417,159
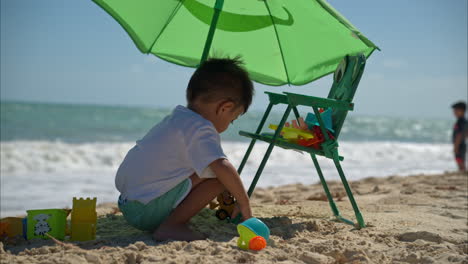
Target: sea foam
48,174
369,158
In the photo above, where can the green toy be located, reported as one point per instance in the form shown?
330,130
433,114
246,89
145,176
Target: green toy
47,221
346,80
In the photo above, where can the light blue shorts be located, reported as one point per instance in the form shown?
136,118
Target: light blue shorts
149,216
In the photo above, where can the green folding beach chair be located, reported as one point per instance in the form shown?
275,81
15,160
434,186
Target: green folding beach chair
345,82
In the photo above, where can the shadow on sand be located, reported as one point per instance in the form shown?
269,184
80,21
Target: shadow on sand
114,231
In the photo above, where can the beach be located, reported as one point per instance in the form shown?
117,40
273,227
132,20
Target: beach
85,82
410,219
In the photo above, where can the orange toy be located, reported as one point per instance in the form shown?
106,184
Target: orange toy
257,243
4,229
11,226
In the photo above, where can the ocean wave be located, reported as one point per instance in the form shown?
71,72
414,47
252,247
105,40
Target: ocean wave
362,158
48,174
53,156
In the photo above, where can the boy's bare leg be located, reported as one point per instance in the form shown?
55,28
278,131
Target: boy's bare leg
174,227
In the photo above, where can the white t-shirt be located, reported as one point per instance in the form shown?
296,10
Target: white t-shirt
183,143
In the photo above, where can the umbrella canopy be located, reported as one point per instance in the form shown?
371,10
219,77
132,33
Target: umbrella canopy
280,41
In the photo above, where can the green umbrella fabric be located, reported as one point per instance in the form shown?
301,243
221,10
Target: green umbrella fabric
280,41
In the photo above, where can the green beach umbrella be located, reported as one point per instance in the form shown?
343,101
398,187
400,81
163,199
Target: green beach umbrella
280,41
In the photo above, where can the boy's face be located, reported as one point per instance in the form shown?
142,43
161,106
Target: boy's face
457,112
226,113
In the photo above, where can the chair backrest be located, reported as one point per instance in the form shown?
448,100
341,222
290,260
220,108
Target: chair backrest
345,82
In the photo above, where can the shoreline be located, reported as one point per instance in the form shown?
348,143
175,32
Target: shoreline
34,170
410,219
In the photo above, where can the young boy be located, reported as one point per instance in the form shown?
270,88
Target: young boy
179,166
460,132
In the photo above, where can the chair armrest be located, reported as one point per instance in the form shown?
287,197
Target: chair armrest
299,99
276,98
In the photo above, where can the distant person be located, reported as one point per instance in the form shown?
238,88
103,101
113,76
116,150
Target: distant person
460,132
178,167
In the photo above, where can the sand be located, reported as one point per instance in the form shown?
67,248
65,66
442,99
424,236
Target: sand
414,219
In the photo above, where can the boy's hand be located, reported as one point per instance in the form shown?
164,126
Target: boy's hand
244,210
228,176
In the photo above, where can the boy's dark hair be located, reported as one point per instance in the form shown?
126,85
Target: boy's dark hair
459,105
218,79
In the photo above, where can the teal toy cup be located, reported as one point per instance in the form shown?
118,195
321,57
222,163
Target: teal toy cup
253,234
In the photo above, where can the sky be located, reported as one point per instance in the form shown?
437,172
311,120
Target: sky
74,52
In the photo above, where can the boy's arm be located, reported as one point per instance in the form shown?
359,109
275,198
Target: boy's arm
228,176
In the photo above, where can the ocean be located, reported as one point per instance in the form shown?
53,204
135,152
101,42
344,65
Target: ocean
50,153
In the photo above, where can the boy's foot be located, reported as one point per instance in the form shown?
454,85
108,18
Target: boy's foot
176,232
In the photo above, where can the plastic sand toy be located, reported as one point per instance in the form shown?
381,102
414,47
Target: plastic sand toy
253,234
83,219
47,221
294,134
224,206
326,115
11,226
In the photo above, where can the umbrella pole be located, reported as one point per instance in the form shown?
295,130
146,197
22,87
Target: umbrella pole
209,39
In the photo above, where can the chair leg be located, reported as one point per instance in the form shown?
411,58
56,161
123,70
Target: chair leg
268,152
260,169
358,214
325,186
252,142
